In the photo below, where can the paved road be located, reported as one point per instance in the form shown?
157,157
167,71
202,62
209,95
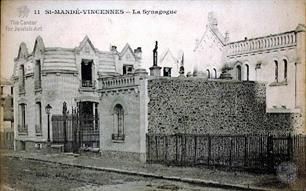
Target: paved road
21,174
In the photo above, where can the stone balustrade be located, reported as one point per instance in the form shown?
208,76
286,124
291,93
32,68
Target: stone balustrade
119,81
262,43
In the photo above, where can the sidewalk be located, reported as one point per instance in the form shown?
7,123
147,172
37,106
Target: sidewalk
202,176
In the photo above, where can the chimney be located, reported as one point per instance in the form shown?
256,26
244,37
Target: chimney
114,48
138,52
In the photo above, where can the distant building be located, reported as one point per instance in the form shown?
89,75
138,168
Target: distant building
171,64
6,115
276,59
6,106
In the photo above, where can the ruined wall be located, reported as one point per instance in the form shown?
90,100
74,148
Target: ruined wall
199,106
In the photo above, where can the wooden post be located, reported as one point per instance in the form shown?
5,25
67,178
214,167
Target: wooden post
270,160
230,155
176,149
166,148
195,149
246,151
209,150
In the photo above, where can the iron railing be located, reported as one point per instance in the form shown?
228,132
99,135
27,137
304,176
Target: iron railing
253,152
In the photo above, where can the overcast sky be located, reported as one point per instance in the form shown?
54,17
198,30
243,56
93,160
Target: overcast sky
176,32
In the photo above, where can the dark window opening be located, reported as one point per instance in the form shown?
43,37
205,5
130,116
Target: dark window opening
167,71
1,92
12,90
38,126
208,73
215,71
285,69
239,73
276,71
128,69
22,127
247,72
86,72
37,75
22,79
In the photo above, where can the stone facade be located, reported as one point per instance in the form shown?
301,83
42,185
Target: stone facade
276,59
199,106
128,138
52,75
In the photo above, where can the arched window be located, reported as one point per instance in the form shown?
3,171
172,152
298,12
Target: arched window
247,72
239,72
285,69
215,71
276,70
118,123
208,73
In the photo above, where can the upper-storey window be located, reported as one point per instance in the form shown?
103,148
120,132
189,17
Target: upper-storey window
21,79
239,73
208,73
37,75
247,72
86,73
128,69
215,72
285,69
167,71
276,70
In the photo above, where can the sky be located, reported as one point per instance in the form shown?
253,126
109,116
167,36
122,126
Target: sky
177,32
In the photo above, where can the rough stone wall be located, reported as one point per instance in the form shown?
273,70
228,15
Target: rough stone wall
213,107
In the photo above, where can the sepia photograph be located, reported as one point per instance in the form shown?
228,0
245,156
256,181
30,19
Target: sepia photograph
153,95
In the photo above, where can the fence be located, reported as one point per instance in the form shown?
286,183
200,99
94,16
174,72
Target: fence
256,152
7,140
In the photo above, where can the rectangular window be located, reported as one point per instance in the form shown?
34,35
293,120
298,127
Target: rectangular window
21,79
37,75
128,69
167,71
38,124
22,127
86,72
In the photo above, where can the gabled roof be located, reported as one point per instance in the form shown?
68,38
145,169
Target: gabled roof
83,43
165,53
215,32
125,48
39,44
23,51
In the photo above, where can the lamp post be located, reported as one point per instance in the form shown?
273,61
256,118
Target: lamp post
48,110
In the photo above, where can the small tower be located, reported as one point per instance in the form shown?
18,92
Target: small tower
155,70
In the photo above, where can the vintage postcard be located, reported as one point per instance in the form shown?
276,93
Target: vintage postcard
153,95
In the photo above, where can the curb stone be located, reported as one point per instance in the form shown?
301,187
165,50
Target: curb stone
145,174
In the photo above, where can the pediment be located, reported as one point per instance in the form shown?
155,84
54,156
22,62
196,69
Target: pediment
23,51
86,47
39,46
127,53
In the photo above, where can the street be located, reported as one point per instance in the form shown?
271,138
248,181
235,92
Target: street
23,174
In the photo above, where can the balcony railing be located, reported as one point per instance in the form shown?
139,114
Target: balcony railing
38,130
23,129
118,137
87,83
262,43
121,81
